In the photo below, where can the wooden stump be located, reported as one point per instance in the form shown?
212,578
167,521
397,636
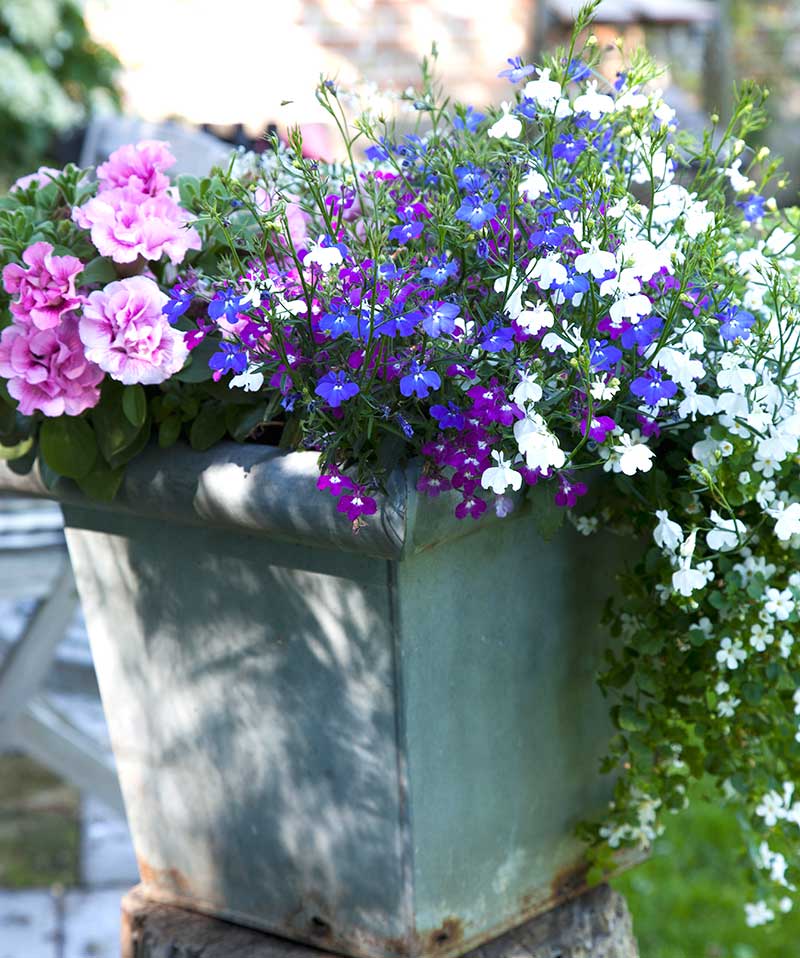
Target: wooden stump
595,925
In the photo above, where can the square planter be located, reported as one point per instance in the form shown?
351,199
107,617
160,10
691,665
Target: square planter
378,743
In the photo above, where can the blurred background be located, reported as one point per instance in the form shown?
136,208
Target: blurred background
76,80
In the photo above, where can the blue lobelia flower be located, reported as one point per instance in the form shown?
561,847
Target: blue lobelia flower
516,71
602,356
339,320
735,323
652,387
470,178
225,303
471,120
569,148
440,270
753,207
475,211
180,300
449,416
439,318
419,381
229,358
336,388
495,338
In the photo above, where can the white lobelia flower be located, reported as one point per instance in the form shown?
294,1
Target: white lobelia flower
757,913
501,477
604,391
513,304
537,444
731,653
630,100
787,520
544,91
508,125
697,220
527,390
326,257
563,109
548,271
739,182
632,308
533,186
249,381
634,456
695,404
533,319
596,261
593,103
732,376
726,533
779,603
687,580
667,533
553,340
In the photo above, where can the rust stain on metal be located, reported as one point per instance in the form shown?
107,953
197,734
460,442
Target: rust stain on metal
446,936
168,879
569,882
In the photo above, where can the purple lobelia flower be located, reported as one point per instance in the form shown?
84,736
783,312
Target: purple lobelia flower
354,503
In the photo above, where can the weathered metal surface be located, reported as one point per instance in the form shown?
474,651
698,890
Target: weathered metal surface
598,925
382,751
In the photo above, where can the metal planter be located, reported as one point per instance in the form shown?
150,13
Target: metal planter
378,743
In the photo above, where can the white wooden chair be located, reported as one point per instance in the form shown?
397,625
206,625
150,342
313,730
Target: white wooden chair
34,565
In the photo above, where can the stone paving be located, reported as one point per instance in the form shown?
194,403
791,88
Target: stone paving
79,922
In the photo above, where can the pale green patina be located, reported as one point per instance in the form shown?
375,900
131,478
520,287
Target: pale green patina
380,743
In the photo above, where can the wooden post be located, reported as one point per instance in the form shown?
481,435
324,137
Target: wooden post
597,924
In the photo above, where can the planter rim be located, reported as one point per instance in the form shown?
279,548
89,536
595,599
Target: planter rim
264,491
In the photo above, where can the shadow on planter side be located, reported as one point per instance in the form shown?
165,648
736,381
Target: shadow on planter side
378,743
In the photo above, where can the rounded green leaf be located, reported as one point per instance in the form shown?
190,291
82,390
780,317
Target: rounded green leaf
68,446
134,405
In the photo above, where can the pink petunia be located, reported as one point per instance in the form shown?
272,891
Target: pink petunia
44,287
126,224
139,166
41,177
126,333
47,370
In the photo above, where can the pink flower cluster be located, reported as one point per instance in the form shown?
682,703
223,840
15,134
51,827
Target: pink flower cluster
41,354
134,214
45,290
125,331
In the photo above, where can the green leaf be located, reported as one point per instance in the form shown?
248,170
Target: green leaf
209,427
118,437
102,483
168,431
68,446
547,516
99,270
197,370
134,405
631,719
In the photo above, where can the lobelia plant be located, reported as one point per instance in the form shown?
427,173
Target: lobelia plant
563,305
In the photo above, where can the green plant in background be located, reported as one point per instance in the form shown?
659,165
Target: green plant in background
51,74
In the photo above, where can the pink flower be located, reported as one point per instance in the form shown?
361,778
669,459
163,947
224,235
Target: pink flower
126,224
46,369
41,177
295,216
46,289
126,333
140,166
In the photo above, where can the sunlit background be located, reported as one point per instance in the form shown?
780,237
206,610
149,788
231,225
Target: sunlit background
237,69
